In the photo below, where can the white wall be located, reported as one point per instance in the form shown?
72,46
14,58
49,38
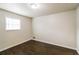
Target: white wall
12,38
77,29
58,29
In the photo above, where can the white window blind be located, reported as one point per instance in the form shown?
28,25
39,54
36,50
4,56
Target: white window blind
13,24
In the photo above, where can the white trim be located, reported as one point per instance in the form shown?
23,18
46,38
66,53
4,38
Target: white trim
77,51
55,44
15,44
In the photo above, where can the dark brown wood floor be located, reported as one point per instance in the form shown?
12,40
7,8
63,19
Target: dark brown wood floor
38,48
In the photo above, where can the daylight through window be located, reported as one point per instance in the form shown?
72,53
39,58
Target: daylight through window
12,24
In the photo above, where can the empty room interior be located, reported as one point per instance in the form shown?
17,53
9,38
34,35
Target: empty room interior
39,28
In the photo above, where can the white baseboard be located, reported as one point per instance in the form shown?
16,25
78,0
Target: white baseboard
77,51
15,44
36,40
55,44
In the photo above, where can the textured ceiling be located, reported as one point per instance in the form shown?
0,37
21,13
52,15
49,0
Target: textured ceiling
44,8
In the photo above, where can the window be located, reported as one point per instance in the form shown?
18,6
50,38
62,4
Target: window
12,24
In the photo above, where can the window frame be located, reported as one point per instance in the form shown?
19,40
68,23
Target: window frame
12,24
